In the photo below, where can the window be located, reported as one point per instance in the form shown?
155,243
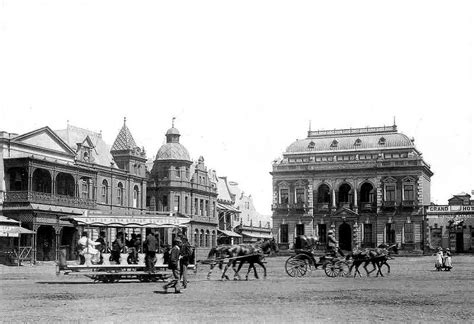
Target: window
201,207
164,203
120,194
408,192
390,233
357,142
322,233
196,206
284,196
206,210
299,229
177,173
196,237
334,143
311,145
136,199
368,235
323,194
176,206
105,192
201,238
390,193
382,141
187,173
85,188
213,239
284,233
299,195
409,237
186,207
207,238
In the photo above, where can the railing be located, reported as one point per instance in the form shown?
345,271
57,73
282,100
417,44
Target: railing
389,204
408,203
367,206
322,206
48,199
280,206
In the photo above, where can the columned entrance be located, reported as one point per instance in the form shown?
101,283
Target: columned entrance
345,237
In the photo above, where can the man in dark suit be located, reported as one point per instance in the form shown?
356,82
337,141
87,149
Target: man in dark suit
150,245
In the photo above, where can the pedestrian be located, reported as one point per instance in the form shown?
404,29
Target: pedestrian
333,244
117,247
447,259
174,267
186,252
150,245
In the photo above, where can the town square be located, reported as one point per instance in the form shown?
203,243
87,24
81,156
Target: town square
213,161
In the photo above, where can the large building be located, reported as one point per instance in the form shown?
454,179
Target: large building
368,184
182,187
452,225
51,176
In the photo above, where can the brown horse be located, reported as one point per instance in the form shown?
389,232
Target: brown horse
243,253
378,257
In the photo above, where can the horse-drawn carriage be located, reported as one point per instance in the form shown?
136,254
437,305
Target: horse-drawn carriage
306,259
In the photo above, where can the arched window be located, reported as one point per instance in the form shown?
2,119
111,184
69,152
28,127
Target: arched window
105,191
136,199
65,185
42,181
213,239
323,194
18,179
196,237
120,194
85,187
207,238
201,238
344,193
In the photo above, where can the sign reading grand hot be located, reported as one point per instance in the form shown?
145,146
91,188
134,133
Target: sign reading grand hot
441,209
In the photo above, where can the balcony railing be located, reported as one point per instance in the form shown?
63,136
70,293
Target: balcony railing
280,206
48,199
389,204
409,203
367,206
322,206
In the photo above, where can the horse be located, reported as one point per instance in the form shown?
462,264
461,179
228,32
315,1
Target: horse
251,253
303,242
378,257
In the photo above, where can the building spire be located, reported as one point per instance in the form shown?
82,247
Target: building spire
172,122
124,120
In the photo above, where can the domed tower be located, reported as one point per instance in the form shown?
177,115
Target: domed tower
170,175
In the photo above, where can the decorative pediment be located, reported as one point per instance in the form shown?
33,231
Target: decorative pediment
283,184
389,180
87,142
345,212
44,139
409,180
300,183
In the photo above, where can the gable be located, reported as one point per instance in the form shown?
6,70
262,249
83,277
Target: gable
44,138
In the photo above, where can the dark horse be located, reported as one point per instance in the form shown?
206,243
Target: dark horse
243,253
378,257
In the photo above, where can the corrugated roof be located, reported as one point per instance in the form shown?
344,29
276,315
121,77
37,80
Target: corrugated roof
101,151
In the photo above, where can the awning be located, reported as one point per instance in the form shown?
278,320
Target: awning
227,208
257,234
131,221
57,209
13,231
229,233
8,221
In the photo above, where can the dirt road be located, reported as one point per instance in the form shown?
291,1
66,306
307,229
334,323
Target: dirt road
412,292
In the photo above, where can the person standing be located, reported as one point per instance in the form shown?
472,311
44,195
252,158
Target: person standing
46,250
186,255
150,245
333,244
174,267
117,247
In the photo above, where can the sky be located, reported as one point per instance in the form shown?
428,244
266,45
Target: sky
245,78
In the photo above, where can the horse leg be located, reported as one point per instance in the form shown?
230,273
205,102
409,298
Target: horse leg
210,271
225,270
259,262
236,273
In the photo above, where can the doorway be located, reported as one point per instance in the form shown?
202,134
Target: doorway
345,237
459,242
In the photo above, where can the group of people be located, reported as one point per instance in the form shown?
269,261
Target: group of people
443,259
179,257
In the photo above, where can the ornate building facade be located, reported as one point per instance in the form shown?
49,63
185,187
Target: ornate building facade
51,175
367,184
182,187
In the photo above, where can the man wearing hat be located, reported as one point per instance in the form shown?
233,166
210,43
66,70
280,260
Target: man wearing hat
333,244
174,266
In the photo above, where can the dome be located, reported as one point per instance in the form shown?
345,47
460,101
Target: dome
172,131
173,151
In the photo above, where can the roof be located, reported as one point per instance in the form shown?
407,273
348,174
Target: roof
172,131
124,140
228,208
223,189
229,233
101,151
173,151
257,234
351,139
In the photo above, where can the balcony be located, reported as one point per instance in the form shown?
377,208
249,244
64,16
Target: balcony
280,206
389,204
48,199
367,206
409,203
322,207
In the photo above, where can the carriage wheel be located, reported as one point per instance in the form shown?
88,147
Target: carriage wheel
296,267
343,268
331,269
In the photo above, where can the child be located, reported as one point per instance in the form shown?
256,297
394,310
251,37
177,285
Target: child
447,259
439,259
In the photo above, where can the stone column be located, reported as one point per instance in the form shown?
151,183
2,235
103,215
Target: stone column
356,207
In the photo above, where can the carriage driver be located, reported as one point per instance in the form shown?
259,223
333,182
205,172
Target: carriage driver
333,244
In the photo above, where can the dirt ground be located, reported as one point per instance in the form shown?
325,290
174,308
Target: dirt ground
413,292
